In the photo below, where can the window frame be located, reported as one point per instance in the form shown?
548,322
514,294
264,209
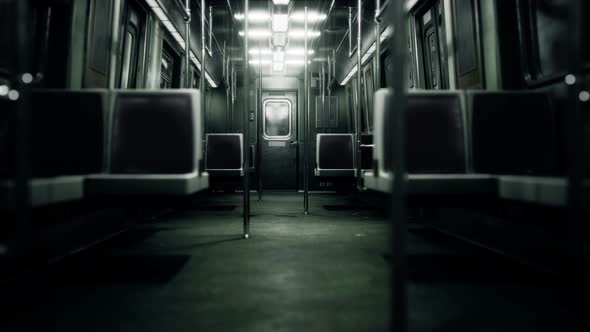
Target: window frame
290,110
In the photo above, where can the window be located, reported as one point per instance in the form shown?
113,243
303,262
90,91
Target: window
169,68
431,43
166,70
369,89
127,54
277,119
544,27
132,35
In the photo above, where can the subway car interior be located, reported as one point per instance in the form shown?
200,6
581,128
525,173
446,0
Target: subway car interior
280,165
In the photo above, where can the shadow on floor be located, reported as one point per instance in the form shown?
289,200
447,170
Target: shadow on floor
127,269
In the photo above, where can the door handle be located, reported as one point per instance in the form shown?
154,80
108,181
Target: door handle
294,143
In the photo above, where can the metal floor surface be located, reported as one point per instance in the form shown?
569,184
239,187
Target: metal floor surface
328,271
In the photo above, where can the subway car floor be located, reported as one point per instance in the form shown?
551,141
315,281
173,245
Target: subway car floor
191,271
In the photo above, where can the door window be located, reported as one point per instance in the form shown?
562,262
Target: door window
277,119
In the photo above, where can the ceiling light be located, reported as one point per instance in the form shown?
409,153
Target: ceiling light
257,33
153,4
280,23
254,16
279,39
278,56
256,51
297,51
296,62
311,17
300,34
281,2
349,76
259,62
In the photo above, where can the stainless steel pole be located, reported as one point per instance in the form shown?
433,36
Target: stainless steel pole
398,152
359,114
187,47
377,54
305,119
575,144
259,134
246,147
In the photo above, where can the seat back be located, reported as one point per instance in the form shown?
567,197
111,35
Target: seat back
225,152
155,132
367,151
335,151
6,141
513,133
436,136
68,132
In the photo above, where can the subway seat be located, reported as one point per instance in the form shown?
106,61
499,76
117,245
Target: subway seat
437,154
154,145
515,137
67,138
510,146
224,154
335,155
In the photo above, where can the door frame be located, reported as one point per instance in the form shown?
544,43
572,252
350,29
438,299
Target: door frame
287,84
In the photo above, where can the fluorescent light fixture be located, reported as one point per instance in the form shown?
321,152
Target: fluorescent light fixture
254,16
260,62
257,33
280,2
257,51
384,35
198,65
296,62
312,17
280,23
153,4
300,34
278,56
349,76
298,51
279,39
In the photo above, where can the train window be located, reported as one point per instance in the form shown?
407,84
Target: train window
369,88
543,24
127,61
169,68
431,34
131,46
277,119
467,45
51,44
166,71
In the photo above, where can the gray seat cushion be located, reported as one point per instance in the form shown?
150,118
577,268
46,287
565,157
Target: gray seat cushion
146,184
45,191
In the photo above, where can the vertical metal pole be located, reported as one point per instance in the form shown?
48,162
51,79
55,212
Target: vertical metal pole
246,147
259,134
306,147
202,84
359,76
187,50
21,132
228,93
575,132
377,54
398,152
323,92
232,90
